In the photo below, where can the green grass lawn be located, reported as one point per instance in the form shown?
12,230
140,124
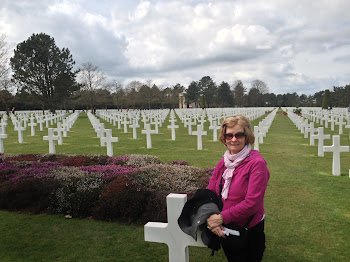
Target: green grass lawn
307,209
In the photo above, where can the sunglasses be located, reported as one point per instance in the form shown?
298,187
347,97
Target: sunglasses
229,136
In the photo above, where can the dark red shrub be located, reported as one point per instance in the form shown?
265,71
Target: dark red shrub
119,160
121,200
30,195
155,209
24,157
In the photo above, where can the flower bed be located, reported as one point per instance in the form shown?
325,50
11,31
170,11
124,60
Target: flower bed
129,188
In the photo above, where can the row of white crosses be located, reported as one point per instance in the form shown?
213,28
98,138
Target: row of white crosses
61,132
132,117
336,117
27,118
105,135
262,128
23,119
190,117
308,128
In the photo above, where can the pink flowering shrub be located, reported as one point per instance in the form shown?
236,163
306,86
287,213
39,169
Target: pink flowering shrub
142,160
119,160
16,171
111,171
178,162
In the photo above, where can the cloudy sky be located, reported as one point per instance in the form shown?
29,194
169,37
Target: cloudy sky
293,46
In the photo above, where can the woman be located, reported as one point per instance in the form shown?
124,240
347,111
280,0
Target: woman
244,177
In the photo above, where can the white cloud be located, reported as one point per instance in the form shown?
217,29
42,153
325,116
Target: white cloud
300,46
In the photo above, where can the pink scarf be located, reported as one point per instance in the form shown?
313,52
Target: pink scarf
231,162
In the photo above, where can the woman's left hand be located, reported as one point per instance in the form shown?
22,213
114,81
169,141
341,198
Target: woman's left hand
214,221
218,231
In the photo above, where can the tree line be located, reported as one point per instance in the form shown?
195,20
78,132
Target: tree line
44,78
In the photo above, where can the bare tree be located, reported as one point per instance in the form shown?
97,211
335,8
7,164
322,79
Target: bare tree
260,86
91,78
5,83
134,85
116,89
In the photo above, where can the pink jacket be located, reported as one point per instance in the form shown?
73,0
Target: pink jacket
247,190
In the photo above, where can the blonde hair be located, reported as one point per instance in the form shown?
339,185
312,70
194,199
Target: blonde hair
242,121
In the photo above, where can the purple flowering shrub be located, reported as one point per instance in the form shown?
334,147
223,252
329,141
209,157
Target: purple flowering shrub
16,171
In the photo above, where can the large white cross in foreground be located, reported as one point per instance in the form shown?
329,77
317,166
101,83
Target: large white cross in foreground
336,149
170,233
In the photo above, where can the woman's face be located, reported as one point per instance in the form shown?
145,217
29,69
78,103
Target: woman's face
234,145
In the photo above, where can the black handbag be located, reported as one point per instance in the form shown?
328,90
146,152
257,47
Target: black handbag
239,239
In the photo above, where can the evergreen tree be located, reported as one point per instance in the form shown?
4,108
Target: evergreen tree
225,97
326,99
42,69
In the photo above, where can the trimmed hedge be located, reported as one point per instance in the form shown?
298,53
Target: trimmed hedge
128,189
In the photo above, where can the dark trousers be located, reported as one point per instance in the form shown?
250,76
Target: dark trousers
254,249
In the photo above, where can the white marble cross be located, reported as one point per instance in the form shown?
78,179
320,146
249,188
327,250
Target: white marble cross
215,129
303,125
59,130
125,123
2,136
32,125
189,124
202,121
40,120
20,130
332,120
51,138
348,127
134,127
173,127
257,134
199,133
321,137
309,129
170,233
336,149
108,140
340,123
100,130
3,125
148,133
